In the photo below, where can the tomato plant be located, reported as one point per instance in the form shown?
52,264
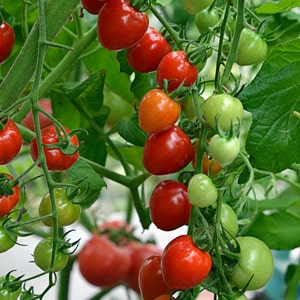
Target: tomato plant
7,39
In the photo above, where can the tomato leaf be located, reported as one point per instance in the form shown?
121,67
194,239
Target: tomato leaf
277,7
272,97
292,278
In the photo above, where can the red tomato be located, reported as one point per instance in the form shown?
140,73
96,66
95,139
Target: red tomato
176,69
120,25
169,205
9,196
151,282
45,104
93,6
167,152
157,111
10,141
7,40
139,252
56,160
102,263
183,264
146,55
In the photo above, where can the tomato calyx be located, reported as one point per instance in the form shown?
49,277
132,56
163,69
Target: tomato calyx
6,185
141,5
10,283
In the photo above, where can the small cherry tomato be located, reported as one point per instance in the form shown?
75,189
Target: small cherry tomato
176,69
146,55
7,40
7,293
169,205
183,264
229,220
56,160
6,241
93,6
167,152
193,6
157,111
205,20
10,141
120,25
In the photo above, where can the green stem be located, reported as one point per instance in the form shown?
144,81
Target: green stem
64,280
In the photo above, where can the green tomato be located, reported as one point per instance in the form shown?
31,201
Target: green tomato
194,6
255,259
67,212
201,191
42,256
205,20
224,150
223,107
252,48
188,106
229,220
6,242
5,293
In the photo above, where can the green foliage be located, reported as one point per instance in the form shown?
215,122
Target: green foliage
277,7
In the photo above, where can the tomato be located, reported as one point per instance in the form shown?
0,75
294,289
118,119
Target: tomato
146,55
252,48
176,69
120,25
183,264
169,205
139,252
224,150
201,191
42,256
56,160
67,212
6,241
255,259
188,106
7,40
229,220
225,108
193,6
9,196
5,292
45,104
151,282
167,152
10,141
102,263
157,111
93,6
205,20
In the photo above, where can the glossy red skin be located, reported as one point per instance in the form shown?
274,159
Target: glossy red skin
45,104
145,56
139,252
8,202
157,111
176,68
93,6
55,159
7,40
10,142
169,205
120,26
183,264
167,152
151,282
102,263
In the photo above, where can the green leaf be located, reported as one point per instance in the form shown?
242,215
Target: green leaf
272,97
292,279
277,7
142,83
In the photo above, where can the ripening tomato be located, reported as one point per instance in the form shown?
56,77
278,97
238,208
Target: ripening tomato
120,25
146,55
7,40
102,263
93,6
169,205
157,111
10,141
151,282
7,294
55,158
167,152
177,70
183,264
9,196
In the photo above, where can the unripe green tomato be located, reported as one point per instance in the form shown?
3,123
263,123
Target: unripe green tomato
201,191
225,108
6,294
193,6
205,20
252,48
229,220
6,242
188,106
